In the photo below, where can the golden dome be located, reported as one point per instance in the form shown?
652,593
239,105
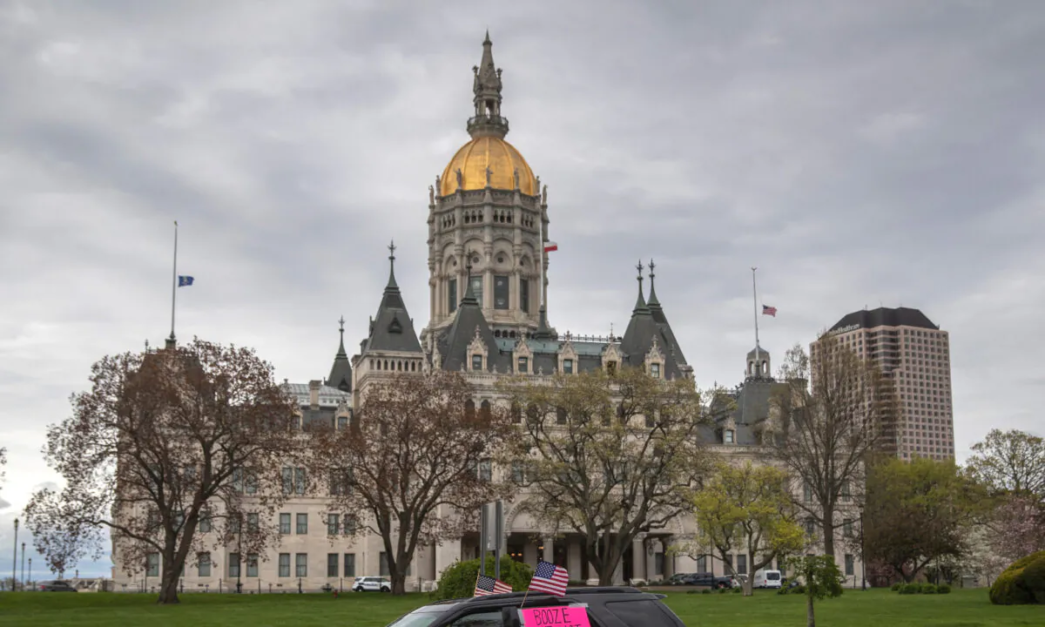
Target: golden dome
474,157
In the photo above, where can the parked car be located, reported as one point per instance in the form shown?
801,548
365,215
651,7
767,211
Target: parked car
678,579
767,579
372,584
618,606
709,580
55,586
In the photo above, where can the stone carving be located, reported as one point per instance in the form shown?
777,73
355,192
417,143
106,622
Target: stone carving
460,178
489,173
515,175
544,195
431,195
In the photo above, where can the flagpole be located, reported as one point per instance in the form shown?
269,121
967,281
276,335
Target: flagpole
754,294
174,281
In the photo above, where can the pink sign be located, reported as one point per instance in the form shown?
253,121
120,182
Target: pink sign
555,617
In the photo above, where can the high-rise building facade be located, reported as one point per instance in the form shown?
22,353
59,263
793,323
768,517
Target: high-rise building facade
915,355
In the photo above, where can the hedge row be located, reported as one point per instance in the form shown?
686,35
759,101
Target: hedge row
921,588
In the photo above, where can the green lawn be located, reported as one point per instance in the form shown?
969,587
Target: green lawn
962,608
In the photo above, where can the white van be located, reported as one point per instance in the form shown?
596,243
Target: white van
766,579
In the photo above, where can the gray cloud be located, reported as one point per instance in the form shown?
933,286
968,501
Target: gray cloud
856,153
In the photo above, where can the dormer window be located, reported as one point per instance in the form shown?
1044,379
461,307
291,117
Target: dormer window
728,436
477,362
654,370
524,364
567,366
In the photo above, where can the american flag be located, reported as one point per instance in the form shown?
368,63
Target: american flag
488,585
768,311
549,578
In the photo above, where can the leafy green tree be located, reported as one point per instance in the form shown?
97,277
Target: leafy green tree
458,581
1011,463
918,512
747,507
821,578
608,455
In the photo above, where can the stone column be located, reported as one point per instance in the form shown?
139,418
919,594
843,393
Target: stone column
573,560
638,559
530,554
669,559
549,552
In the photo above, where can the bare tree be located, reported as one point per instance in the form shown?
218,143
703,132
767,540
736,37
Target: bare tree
832,427
609,456
415,463
172,451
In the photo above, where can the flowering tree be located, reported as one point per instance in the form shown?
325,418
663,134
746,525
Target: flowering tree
170,451
1017,528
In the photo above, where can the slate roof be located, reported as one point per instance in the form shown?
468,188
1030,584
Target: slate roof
638,339
662,321
341,371
328,396
454,342
885,316
392,329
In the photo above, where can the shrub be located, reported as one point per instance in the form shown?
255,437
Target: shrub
737,590
723,590
458,581
943,589
1023,582
910,588
928,588
896,586
704,591
799,589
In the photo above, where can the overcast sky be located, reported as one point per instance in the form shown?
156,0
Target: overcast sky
858,153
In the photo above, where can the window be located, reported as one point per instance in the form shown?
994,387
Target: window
251,483
235,523
252,564
299,481
288,480
729,561
253,524
284,523
302,526
611,368
846,495
203,565
477,288
848,565
333,524
152,565
524,295
350,524
727,436
810,527
847,528
350,564
702,564
654,370
383,561
342,422
485,470
332,565
301,564
233,564
742,564
517,472
477,362
500,292
284,564
340,482
205,523
807,493
516,414
560,416
658,563
524,365
567,366
451,294
237,481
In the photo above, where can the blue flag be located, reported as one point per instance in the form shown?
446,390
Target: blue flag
184,280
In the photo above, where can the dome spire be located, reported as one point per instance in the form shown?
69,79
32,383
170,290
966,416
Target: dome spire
486,88
640,303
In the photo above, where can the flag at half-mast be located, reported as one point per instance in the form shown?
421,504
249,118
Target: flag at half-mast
768,311
550,579
550,246
485,586
185,281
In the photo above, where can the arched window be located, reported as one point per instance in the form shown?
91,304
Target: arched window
560,416
484,410
469,409
532,415
516,414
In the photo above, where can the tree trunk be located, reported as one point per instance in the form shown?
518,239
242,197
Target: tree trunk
610,559
168,590
398,583
829,532
810,618
749,584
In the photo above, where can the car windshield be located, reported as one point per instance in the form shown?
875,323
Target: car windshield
773,576
421,617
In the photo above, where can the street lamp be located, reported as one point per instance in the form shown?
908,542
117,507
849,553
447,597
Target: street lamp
14,562
30,570
23,566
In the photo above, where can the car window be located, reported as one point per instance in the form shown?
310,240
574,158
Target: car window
480,619
419,618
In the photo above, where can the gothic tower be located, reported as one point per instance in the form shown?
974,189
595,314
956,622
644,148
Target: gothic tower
487,223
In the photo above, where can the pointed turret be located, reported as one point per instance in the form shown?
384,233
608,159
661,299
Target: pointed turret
638,337
468,329
662,320
341,372
487,97
392,329
543,332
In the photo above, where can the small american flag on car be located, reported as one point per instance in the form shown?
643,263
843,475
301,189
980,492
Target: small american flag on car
549,578
488,585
